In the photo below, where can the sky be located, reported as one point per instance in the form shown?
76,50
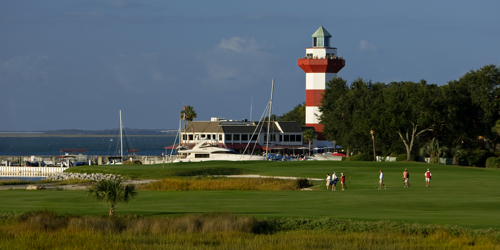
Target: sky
75,64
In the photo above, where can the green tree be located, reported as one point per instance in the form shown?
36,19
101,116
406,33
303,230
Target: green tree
309,135
190,113
410,109
433,150
111,192
457,152
297,114
477,93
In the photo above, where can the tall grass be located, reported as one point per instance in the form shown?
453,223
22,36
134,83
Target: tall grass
14,182
47,230
173,184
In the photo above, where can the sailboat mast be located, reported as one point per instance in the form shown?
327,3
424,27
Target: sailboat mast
269,120
121,137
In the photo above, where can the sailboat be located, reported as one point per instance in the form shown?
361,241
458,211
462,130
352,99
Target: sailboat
117,160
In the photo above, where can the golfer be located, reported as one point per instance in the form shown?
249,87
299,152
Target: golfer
381,180
334,181
342,181
428,177
406,178
328,180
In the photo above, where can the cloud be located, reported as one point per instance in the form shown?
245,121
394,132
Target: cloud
364,45
236,63
241,45
26,69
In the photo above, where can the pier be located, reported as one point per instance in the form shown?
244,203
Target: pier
29,171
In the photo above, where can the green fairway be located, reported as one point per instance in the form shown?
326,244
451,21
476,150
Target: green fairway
458,195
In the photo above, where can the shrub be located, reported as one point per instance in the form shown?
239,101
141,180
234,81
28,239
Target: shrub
493,162
393,154
477,158
401,157
361,157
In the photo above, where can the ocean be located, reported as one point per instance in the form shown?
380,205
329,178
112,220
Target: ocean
26,146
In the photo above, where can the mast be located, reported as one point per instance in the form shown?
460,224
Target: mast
269,119
121,137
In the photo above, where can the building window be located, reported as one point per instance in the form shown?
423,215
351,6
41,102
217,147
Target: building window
244,137
255,137
236,137
220,137
229,137
309,55
292,137
190,137
298,138
279,138
184,137
208,136
203,136
287,138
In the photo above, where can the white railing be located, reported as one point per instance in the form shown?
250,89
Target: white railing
29,171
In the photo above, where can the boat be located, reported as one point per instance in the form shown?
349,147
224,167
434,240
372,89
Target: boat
118,160
206,151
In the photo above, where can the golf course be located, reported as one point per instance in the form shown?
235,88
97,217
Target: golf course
458,197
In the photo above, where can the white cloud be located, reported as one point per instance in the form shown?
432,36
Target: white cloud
240,45
364,45
28,69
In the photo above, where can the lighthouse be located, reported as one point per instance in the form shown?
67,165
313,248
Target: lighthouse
321,65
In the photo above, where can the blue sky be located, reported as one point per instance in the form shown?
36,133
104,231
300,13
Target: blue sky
74,64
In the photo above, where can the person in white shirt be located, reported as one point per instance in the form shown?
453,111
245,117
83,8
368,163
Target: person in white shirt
334,181
381,180
328,181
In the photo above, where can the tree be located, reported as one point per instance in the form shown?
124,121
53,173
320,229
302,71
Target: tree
433,150
457,152
411,109
189,113
297,114
309,135
111,192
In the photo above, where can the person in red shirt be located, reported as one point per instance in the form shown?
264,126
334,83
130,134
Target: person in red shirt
428,177
342,181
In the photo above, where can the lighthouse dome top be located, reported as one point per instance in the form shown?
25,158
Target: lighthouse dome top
321,32
321,38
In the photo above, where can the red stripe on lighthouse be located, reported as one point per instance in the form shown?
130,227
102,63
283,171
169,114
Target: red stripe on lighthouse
314,96
321,65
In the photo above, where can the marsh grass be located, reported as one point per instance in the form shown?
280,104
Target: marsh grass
211,183
66,182
48,230
14,182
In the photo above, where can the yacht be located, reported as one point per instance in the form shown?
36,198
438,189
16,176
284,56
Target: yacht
207,151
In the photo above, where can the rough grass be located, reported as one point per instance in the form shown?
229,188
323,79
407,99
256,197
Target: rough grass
48,230
14,182
176,184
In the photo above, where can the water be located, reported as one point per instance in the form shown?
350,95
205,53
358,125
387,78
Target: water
24,146
22,178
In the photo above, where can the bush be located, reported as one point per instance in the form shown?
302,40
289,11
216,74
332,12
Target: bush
393,154
477,158
493,162
361,157
401,157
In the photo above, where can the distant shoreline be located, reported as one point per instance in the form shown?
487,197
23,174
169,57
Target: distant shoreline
43,135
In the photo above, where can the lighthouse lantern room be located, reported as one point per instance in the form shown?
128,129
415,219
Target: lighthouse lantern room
321,64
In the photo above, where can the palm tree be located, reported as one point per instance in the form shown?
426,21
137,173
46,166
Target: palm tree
190,113
372,132
433,150
111,192
309,135
457,153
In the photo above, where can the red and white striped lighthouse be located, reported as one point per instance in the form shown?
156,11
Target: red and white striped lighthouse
321,65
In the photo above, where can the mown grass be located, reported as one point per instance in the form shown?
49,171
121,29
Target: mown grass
211,183
48,230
